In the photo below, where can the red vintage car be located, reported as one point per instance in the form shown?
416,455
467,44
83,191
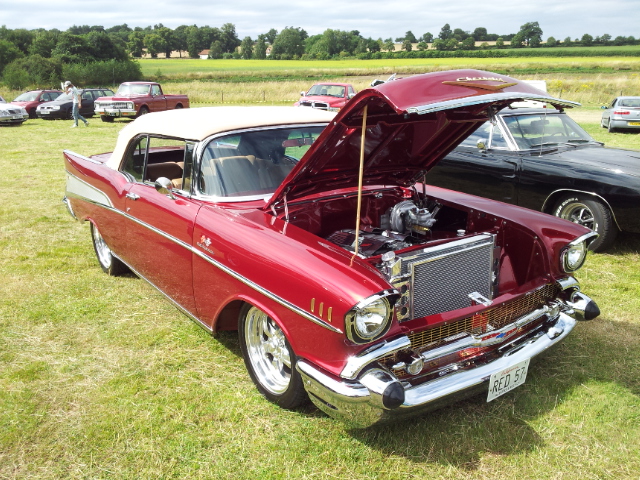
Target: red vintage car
349,281
327,96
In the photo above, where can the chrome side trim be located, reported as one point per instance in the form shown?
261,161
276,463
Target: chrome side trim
91,160
494,97
212,261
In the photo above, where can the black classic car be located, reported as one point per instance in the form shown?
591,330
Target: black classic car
62,106
541,159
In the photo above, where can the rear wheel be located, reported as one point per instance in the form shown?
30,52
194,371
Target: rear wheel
269,358
109,264
610,127
591,213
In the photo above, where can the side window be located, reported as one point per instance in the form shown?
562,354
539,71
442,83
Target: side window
87,96
497,139
134,163
155,90
482,133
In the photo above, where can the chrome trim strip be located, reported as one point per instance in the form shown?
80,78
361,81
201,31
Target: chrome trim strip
215,263
91,160
356,363
495,97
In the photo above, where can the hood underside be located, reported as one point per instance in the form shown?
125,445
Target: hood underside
411,124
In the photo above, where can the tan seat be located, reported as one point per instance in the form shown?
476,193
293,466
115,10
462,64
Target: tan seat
170,170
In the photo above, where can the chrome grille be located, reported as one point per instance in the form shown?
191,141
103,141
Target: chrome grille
491,319
116,105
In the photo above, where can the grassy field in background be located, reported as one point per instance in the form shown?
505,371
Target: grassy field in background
101,378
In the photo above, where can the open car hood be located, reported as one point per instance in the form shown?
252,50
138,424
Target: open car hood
411,124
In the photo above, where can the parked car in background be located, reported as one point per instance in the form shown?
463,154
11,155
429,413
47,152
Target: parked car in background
62,106
543,160
12,114
622,113
31,99
326,96
134,99
349,281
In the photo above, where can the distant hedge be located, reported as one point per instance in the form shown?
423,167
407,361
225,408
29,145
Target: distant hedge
102,73
513,52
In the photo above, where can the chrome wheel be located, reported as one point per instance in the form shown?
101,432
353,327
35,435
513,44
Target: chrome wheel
109,264
269,358
578,212
592,213
267,351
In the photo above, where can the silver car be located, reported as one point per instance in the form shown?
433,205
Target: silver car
622,112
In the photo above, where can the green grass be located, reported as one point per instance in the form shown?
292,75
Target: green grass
101,378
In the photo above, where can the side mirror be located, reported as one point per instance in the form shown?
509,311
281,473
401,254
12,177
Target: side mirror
604,107
165,187
351,95
302,94
482,146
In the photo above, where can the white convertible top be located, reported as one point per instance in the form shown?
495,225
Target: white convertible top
200,123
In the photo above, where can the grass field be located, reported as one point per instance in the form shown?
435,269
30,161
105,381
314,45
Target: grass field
101,378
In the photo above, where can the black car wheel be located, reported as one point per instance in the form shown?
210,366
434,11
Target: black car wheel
269,358
32,113
610,128
143,111
109,264
591,213
106,118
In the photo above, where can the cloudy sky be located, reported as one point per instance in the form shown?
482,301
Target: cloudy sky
373,18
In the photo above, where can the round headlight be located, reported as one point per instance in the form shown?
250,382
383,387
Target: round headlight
574,255
369,320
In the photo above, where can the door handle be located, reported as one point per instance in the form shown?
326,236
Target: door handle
132,196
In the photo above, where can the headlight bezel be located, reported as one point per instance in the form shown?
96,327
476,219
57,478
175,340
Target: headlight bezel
378,309
580,246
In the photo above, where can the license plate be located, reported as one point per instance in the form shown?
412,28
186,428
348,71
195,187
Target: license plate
44,112
506,380
634,124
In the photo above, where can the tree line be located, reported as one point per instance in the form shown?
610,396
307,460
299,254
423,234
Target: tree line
41,57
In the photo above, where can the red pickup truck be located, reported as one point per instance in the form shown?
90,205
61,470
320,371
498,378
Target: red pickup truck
134,99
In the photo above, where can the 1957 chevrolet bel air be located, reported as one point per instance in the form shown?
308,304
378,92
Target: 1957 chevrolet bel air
348,280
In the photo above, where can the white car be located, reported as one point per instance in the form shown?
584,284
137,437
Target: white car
12,114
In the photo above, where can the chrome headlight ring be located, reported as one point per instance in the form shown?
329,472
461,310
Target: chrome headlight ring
574,254
370,318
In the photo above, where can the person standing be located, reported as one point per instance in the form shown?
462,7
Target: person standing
77,102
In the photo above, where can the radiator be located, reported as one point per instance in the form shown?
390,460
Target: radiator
440,279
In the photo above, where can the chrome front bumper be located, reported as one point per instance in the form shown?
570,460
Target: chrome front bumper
377,396
115,112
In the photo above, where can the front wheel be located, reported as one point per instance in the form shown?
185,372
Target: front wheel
269,358
143,111
109,264
106,118
591,213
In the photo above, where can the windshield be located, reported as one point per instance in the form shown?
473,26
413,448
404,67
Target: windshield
253,163
64,96
530,131
133,90
327,90
27,97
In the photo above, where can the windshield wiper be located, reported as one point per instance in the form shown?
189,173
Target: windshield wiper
545,144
